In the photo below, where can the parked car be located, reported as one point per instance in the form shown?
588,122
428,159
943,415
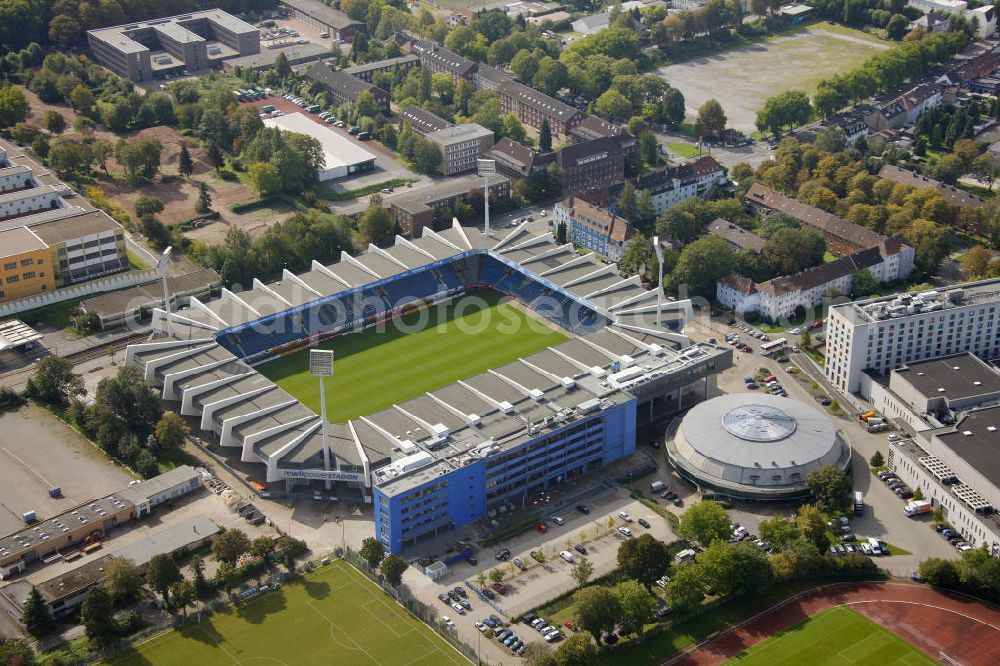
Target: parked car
580,548
625,532
644,523
537,556
624,516
558,520
567,556
519,563
583,508
444,598
503,554
447,621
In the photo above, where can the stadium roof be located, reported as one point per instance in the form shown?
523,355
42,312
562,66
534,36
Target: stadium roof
337,150
506,405
14,333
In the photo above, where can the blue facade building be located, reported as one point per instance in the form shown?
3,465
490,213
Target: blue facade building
437,498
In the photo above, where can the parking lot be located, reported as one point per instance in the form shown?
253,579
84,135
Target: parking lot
39,452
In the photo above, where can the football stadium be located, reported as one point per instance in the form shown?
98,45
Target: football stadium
471,371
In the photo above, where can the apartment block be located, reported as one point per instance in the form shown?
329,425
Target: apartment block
460,146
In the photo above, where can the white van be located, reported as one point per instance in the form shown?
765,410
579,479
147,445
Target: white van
873,544
568,556
657,486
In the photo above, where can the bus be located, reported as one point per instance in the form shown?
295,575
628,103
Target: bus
768,348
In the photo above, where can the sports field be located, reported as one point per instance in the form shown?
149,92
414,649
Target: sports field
377,368
332,616
838,636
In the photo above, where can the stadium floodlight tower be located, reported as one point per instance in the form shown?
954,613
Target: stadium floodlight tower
659,288
321,365
486,168
161,266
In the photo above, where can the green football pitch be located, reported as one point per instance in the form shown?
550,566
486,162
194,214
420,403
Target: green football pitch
331,616
839,636
426,350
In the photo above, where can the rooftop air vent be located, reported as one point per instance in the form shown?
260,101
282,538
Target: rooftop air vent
505,407
536,394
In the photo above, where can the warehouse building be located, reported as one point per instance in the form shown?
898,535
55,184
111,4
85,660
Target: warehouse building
173,45
59,537
874,336
343,156
324,18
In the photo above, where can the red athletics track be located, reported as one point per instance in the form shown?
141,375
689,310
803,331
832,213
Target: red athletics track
965,631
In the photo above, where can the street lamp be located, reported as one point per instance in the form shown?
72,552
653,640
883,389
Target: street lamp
321,365
486,168
659,292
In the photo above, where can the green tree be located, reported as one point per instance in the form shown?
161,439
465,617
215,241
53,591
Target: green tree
512,128
281,66
365,104
265,179
545,136
226,577
791,251
161,573
372,551
939,572
638,252
185,165
198,573
897,27
376,224
97,615
736,569
644,559
577,650
13,106
54,382
701,264
649,148
582,571
496,575
812,525
229,545
597,609
976,262
35,614
684,592
561,233
790,109
876,460
184,595
711,120
147,205
780,532
122,580
204,202
613,104
637,605
81,99
829,485
704,522
863,283
171,431
54,122
290,550
392,569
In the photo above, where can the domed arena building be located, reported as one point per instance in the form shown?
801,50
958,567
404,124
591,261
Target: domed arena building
756,446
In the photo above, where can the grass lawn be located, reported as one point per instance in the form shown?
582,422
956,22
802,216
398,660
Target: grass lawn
685,149
375,369
334,615
836,636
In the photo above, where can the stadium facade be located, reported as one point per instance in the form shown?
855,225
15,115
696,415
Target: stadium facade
456,454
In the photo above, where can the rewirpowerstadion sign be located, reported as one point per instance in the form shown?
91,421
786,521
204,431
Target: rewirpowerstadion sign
322,475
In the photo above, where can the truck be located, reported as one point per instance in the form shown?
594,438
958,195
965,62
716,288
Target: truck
859,503
917,507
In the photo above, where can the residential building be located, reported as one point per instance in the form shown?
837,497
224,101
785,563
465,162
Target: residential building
589,25
517,161
842,237
878,335
415,211
591,165
296,54
342,156
368,70
440,59
324,18
423,121
852,123
985,16
346,88
189,43
489,78
673,184
895,109
591,227
460,146
932,22
953,195
783,296
532,107
736,236
592,127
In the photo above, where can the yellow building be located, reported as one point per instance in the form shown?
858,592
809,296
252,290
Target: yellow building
25,264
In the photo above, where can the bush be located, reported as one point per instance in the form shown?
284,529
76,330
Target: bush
128,621
253,204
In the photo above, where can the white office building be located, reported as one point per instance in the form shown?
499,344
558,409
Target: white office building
877,335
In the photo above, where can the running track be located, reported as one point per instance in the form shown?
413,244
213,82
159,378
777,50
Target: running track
966,632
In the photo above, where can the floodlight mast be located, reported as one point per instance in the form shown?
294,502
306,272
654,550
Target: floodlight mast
486,168
321,365
162,267
659,290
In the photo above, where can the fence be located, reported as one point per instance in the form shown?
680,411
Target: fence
116,647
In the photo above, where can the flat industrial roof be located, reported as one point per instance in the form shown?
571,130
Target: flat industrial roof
92,223
952,377
337,150
18,241
976,439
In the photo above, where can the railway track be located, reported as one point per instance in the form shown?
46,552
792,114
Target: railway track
19,376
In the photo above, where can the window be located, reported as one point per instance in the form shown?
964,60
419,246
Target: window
27,275
27,262
11,266
11,279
